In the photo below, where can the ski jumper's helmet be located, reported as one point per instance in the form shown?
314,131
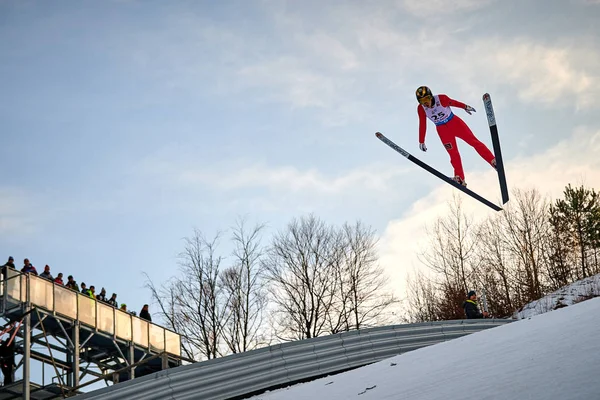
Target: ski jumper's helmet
424,94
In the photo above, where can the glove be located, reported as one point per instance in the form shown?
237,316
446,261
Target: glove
469,109
422,146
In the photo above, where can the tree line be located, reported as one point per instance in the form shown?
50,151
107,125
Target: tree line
532,248
311,279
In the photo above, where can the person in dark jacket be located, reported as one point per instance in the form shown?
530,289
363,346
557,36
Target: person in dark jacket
72,284
102,296
9,264
472,308
28,268
7,359
145,314
46,274
84,289
113,300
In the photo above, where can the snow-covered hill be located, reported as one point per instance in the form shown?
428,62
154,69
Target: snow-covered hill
554,355
563,297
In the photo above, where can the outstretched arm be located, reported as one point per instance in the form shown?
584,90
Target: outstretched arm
447,101
422,123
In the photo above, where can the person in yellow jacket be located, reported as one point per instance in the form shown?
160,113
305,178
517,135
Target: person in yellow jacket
472,308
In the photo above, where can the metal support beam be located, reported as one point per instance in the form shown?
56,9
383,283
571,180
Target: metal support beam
39,322
75,356
131,360
27,351
164,361
45,358
69,360
86,340
121,353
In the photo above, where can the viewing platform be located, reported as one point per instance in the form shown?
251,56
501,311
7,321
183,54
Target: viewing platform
81,338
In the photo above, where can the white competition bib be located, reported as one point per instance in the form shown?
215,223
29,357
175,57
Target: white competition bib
438,114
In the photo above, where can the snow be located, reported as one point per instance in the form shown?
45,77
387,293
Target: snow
565,296
552,355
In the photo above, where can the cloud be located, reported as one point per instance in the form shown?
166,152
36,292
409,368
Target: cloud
338,62
441,8
540,74
545,75
574,160
330,67
232,177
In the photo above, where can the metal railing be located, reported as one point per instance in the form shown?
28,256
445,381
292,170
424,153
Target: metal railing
76,306
247,373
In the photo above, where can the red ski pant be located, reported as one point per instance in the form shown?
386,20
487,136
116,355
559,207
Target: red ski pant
456,128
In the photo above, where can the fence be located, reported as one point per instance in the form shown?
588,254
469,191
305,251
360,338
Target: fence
243,374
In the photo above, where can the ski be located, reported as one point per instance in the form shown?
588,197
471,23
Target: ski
489,110
436,172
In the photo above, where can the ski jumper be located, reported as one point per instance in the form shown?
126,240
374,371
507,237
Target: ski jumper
449,127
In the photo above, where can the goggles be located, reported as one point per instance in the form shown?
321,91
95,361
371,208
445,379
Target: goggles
426,100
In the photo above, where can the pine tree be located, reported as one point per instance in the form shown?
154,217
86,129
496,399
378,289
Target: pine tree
580,213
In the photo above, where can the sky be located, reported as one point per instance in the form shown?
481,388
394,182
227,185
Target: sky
125,125
548,356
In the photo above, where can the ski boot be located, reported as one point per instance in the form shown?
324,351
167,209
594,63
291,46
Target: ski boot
459,180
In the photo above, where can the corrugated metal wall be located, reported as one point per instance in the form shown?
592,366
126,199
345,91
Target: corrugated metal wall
288,363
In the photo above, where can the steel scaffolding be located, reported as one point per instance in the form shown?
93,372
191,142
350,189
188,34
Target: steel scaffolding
85,341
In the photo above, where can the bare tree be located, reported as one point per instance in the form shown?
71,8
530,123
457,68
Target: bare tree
495,275
299,266
452,244
423,300
516,257
244,289
451,256
525,226
193,304
360,279
168,296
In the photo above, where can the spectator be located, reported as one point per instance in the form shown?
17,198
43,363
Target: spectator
46,274
472,308
145,314
9,264
7,359
123,307
113,300
28,268
102,296
92,292
84,289
71,284
59,280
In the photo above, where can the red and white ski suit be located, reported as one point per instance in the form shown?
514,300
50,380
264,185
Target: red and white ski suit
449,127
